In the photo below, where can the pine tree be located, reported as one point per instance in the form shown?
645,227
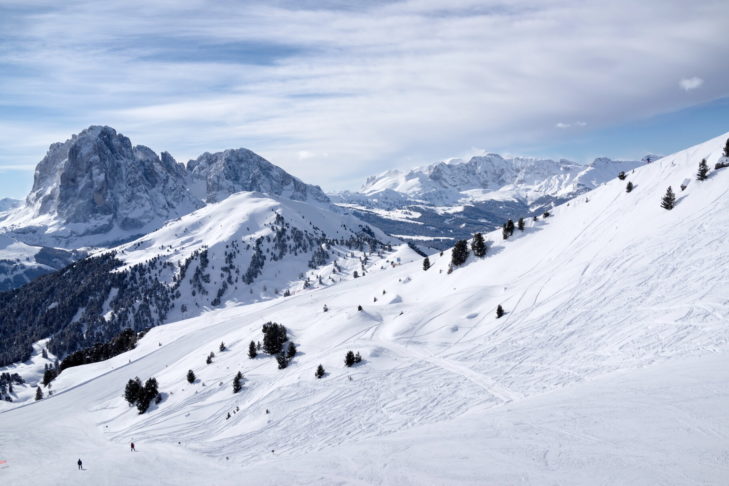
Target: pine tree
319,371
629,187
703,170
726,148
357,357
252,353
190,376
238,382
478,246
426,264
359,308
282,361
38,393
459,254
520,224
669,200
349,359
621,175
133,391
291,351
499,311
209,359
222,347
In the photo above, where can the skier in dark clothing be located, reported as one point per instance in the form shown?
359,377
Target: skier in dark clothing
80,464
133,449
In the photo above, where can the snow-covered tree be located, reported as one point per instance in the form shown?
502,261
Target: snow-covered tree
701,175
669,200
238,382
349,359
459,254
319,371
478,246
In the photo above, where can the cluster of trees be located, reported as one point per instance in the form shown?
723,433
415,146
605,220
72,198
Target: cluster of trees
350,359
6,385
275,343
142,396
121,343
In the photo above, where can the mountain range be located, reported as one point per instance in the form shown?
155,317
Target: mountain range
435,205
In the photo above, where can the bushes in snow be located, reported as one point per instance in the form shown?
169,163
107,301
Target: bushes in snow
142,396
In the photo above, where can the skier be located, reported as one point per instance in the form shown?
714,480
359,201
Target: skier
133,449
80,464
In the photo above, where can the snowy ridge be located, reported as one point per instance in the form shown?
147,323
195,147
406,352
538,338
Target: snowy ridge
615,332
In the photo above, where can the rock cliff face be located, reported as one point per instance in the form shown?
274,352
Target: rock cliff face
99,182
217,176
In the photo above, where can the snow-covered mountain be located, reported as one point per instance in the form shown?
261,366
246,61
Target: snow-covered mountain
609,364
7,204
247,248
96,190
450,200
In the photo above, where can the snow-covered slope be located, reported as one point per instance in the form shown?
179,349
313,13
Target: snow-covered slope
610,365
7,204
246,248
449,200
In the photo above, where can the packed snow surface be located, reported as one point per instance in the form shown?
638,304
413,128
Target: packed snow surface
610,366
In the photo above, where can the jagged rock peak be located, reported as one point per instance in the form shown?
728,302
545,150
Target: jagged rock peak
231,171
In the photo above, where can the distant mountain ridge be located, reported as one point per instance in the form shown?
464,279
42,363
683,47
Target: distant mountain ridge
452,199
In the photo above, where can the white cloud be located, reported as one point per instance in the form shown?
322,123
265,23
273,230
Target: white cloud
374,87
571,124
688,84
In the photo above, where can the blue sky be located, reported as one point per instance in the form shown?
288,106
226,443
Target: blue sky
334,91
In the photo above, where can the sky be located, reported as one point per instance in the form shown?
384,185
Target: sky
334,91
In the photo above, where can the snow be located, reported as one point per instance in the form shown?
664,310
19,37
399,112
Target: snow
610,365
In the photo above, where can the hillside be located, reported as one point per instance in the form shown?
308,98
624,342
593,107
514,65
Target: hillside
610,362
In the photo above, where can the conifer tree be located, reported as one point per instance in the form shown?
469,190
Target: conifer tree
252,353
520,224
237,382
629,187
459,254
357,357
38,393
209,359
478,246
499,311
349,359
190,376
726,148
222,346
319,371
669,200
621,175
703,170
291,351
133,390
282,361
426,264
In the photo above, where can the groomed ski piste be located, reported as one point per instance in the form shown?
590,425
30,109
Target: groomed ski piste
610,366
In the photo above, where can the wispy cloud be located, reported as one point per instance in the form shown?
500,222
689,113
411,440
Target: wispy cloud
371,86
688,84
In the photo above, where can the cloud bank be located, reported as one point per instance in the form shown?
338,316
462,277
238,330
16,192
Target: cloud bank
333,92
